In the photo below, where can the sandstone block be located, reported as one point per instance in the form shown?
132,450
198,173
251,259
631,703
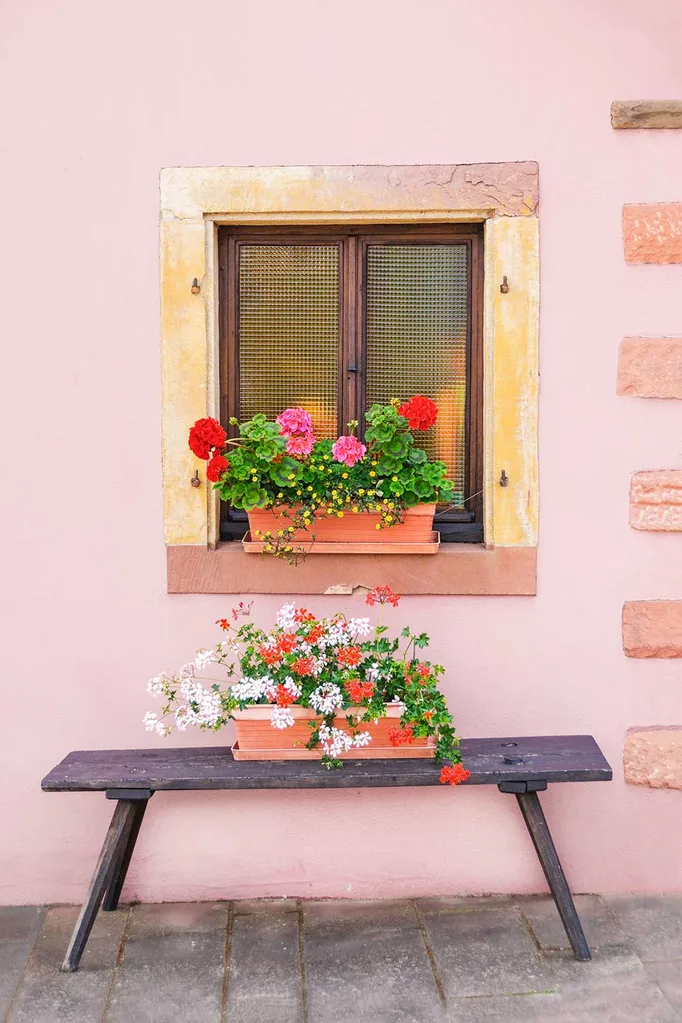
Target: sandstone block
656,500
646,113
652,232
650,367
652,628
653,757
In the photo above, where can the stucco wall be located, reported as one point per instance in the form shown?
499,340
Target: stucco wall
103,96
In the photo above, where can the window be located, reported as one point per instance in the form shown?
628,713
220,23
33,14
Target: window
334,319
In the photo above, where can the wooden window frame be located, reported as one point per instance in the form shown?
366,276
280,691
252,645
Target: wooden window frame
353,242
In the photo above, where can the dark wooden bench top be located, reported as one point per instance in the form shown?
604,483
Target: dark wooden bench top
553,758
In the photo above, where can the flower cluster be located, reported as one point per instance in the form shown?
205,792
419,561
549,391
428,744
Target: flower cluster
345,671
281,465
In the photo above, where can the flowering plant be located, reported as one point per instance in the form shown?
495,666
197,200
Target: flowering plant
281,464
329,665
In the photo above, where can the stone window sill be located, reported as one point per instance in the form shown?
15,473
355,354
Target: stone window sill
457,569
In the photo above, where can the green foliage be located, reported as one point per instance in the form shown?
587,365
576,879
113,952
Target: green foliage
394,475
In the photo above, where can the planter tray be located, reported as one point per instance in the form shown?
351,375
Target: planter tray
352,547
366,753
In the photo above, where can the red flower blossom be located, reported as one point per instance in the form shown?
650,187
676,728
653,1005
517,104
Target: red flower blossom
428,714
204,435
303,665
270,654
398,736
423,673
358,690
287,643
317,632
301,615
349,656
283,697
223,623
382,595
216,467
454,775
420,412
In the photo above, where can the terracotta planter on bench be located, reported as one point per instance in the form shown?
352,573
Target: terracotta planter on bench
258,740
352,531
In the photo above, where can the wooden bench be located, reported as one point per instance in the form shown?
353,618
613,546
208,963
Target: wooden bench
521,766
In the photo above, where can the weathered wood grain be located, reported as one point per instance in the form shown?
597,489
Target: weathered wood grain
554,758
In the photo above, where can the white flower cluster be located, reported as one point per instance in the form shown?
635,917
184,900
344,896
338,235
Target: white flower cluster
335,741
326,698
281,717
203,659
358,627
286,617
152,724
336,635
253,688
292,687
207,702
373,672
157,685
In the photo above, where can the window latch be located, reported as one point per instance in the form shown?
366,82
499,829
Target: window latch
353,369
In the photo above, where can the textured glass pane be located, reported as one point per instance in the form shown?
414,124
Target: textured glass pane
417,339
289,331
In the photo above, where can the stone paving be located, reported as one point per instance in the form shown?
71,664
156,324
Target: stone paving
404,961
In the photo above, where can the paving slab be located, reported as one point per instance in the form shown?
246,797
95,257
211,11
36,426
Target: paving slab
173,965
613,987
668,976
601,928
265,983
489,952
46,995
249,906
654,922
366,962
19,928
462,903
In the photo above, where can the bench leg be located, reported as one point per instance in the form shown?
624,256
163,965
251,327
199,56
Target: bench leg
529,804
112,854
113,891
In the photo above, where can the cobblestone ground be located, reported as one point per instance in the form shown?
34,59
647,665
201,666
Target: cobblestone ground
284,961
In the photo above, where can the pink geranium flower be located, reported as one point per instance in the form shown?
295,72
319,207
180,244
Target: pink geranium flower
294,420
301,444
348,450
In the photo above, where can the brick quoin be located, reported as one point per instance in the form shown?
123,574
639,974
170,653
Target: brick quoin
650,367
656,500
652,232
652,628
653,757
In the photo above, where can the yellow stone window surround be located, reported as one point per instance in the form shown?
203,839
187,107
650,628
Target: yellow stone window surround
195,201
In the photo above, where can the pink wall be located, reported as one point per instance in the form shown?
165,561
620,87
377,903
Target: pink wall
97,98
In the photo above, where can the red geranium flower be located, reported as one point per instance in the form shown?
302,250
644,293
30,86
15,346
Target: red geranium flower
398,736
303,666
420,412
223,623
349,656
216,467
204,435
287,643
317,632
270,654
283,697
303,615
358,690
454,775
382,595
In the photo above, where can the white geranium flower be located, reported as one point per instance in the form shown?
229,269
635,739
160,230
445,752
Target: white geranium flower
156,685
326,698
358,627
281,717
203,659
150,719
285,616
